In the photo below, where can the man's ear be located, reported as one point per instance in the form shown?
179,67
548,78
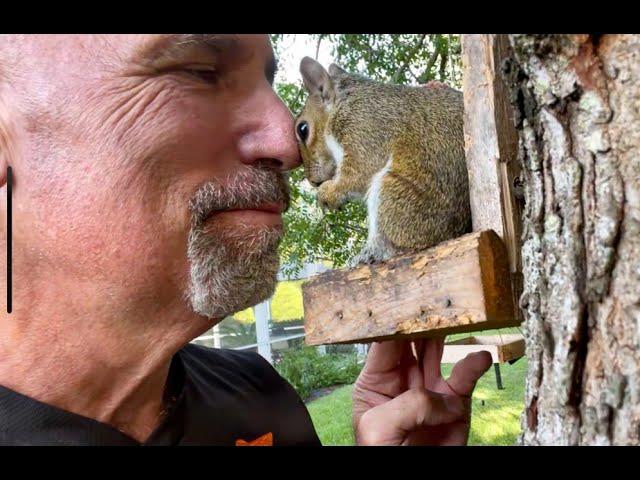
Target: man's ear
4,170
4,160
5,146
316,80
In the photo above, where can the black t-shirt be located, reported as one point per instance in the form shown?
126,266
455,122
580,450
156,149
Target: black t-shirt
222,397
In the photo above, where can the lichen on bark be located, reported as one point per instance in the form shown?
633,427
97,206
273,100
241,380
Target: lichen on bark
577,109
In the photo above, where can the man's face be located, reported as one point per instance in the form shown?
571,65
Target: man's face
151,169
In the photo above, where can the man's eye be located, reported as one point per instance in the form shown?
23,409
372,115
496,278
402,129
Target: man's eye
208,75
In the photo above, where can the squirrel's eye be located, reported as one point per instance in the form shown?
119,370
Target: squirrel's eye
302,130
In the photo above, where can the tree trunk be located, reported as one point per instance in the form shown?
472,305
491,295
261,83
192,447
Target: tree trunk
577,109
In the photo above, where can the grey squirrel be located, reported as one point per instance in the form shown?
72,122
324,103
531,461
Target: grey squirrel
398,148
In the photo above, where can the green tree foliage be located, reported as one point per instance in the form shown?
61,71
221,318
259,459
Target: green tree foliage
407,59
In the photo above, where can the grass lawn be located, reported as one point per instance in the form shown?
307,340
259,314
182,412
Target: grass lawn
331,417
495,416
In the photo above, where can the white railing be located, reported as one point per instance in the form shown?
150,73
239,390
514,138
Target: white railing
262,314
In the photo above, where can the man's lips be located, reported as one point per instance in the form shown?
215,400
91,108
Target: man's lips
274,208
271,207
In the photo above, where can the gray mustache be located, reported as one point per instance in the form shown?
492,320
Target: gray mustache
246,189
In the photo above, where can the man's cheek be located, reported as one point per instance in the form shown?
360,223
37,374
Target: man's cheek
109,234
131,103
133,123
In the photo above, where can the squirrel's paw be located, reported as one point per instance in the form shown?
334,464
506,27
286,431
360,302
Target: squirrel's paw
330,196
370,255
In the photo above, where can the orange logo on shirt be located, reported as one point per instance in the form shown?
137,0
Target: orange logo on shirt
265,440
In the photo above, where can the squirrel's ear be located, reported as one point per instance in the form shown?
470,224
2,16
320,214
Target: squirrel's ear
336,70
316,80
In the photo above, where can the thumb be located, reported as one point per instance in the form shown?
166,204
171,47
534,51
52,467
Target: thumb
415,409
467,371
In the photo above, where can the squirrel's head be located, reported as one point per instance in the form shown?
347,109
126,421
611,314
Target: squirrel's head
311,124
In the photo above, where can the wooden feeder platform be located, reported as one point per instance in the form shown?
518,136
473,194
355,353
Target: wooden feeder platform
458,286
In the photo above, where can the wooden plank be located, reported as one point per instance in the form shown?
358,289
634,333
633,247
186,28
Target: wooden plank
455,353
461,285
503,348
512,350
491,146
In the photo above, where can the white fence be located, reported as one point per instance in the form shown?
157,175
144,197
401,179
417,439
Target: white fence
262,313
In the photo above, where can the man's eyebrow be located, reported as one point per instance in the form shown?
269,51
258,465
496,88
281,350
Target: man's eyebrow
175,44
170,46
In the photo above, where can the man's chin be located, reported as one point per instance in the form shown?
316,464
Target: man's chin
214,302
228,280
259,295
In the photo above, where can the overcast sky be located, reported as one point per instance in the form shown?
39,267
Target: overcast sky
296,46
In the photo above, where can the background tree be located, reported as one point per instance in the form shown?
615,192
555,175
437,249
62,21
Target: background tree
576,99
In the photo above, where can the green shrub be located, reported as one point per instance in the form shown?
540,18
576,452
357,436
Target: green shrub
306,370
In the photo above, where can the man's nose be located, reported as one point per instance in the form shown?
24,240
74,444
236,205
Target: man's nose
270,137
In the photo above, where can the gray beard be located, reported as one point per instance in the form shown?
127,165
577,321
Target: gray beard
233,268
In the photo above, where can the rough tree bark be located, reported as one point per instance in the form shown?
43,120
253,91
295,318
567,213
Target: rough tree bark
577,105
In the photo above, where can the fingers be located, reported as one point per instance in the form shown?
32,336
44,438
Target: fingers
425,372
385,356
467,371
431,357
412,367
391,422
418,346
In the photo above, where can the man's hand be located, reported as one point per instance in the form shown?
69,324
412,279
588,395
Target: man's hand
399,399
